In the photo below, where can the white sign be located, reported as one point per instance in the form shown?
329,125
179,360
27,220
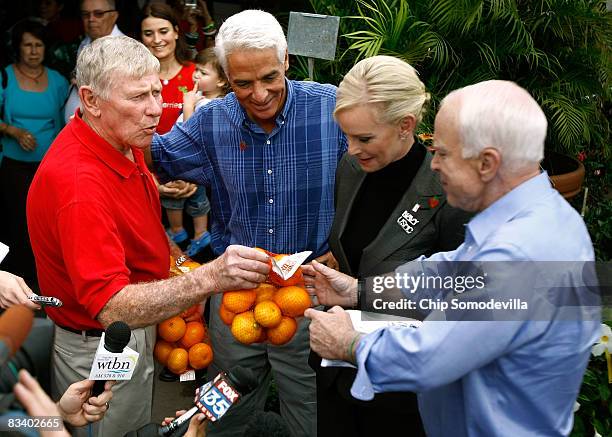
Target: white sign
108,366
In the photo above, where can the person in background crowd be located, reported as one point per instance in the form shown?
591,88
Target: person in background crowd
63,34
159,31
60,26
32,117
94,217
196,23
269,153
99,19
210,83
386,172
514,373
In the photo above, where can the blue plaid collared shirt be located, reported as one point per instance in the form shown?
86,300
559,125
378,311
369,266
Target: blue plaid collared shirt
274,191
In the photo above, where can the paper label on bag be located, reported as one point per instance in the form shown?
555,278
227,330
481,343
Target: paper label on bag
288,265
4,250
187,376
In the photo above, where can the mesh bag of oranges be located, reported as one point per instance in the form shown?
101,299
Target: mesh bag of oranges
269,312
182,341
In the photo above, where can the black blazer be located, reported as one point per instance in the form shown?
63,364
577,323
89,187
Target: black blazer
440,228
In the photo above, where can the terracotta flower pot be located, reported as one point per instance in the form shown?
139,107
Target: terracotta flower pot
565,172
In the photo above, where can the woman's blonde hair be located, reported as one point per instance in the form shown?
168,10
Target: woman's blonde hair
387,81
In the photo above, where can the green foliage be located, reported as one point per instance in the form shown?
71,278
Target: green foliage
559,50
595,399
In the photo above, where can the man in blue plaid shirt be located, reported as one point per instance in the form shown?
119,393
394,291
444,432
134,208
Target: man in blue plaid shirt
268,151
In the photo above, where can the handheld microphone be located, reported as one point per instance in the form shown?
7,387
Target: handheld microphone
15,325
112,367
213,399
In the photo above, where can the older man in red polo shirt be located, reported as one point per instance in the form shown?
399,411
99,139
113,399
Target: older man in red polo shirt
94,220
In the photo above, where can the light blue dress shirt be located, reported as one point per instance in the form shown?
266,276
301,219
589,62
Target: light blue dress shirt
492,378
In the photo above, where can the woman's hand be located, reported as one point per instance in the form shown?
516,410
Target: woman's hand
26,140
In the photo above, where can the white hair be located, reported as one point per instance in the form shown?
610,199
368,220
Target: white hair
388,81
502,115
110,3
110,59
250,29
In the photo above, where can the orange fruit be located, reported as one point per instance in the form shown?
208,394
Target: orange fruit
225,315
172,329
190,264
239,301
200,355
264,291
177,361
284,332
296,279
292,300
245,328
162,350
263,337
194,333
189,311
267,314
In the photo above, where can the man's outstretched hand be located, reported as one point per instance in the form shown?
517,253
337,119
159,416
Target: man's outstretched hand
330,286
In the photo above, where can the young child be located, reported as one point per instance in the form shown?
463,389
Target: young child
209,83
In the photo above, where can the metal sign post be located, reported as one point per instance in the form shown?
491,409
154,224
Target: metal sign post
313,36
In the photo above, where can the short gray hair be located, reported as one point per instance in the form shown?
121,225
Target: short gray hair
250,29
111,58
502,115
384,80
110,3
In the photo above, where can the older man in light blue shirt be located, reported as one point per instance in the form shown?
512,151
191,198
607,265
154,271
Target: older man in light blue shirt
516,377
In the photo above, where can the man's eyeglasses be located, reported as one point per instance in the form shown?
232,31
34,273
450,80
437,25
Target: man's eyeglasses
96,13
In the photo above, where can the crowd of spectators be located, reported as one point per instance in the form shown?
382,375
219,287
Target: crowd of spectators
41,42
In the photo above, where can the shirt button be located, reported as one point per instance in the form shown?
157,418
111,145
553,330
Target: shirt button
271,201
269,171
268,142
270,231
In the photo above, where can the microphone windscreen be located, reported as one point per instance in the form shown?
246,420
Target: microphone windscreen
243,379
15,325
116,337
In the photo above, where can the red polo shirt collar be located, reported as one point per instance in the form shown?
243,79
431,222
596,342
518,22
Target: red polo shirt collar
104,150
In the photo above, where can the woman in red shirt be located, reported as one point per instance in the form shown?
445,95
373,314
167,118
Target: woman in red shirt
159,31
